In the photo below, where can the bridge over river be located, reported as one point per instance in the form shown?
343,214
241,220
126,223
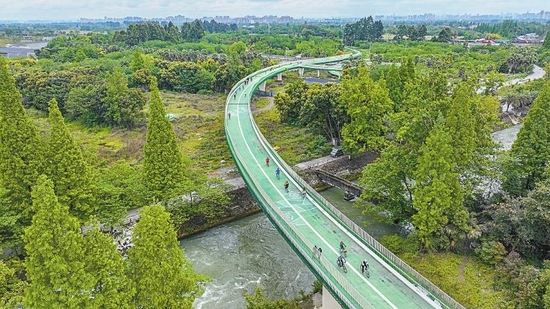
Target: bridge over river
308,220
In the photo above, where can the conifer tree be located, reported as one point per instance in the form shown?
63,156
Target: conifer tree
21,151
110,287
163,278
55,254
531,150
164,165
66,167
438,195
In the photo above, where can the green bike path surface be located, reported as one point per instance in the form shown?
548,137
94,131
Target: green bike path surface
302,219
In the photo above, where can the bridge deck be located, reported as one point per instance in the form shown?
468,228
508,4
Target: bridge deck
304,222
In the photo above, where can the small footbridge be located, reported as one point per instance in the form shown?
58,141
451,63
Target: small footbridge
339,182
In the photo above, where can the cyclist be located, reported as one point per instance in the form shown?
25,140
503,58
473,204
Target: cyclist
267,161
278,173
364,266
341,261
342,245
286,186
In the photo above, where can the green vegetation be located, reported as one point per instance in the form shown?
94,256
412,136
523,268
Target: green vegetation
155,240
430,118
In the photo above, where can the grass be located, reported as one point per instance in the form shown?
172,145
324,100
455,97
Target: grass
198,125
465,278
295,144
261,102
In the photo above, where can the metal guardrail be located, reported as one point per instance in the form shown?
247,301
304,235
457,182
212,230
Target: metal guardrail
301,243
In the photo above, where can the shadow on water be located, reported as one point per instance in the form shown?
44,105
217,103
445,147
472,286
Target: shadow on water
249,252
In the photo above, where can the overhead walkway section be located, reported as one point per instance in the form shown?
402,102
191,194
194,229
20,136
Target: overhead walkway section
305,219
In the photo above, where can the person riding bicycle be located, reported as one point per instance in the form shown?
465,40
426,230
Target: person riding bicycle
341,261
267,161
278,172
343,247
364,266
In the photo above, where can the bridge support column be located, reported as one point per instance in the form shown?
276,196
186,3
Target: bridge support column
262,86
280,77
328,301
318,73
301,72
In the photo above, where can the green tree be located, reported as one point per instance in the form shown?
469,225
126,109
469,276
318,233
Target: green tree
187,77
119,188
109,287
141,66
55,254
227,75
368,105
12,287
389,182
438,196
67,169
164,166
258,301
322,111
85,104
123,106
290,102
532,146
21,153
163,278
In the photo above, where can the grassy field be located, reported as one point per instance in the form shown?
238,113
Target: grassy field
465,278
197,120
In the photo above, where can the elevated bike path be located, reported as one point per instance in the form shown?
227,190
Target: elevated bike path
308,220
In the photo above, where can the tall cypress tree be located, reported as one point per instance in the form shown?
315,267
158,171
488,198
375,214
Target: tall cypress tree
110,287
531,150
162,276
55,254
21,151
438,196
67,168
164,167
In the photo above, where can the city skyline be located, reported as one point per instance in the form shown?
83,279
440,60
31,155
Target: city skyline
97,9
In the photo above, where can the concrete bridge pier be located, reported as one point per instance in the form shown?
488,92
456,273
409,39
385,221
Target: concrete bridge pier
262,86
280,77
301,72
328,301
318,73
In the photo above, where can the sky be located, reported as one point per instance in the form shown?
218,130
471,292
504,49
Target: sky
75,9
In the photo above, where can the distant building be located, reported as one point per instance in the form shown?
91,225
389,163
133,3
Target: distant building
16,52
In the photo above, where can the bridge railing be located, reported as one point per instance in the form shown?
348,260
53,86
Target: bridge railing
345,291
414,276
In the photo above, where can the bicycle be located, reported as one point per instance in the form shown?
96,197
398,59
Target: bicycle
342,264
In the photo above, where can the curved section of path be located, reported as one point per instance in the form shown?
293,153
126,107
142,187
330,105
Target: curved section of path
307,220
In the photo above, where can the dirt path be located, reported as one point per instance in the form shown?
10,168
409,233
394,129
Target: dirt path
461,269
268,107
